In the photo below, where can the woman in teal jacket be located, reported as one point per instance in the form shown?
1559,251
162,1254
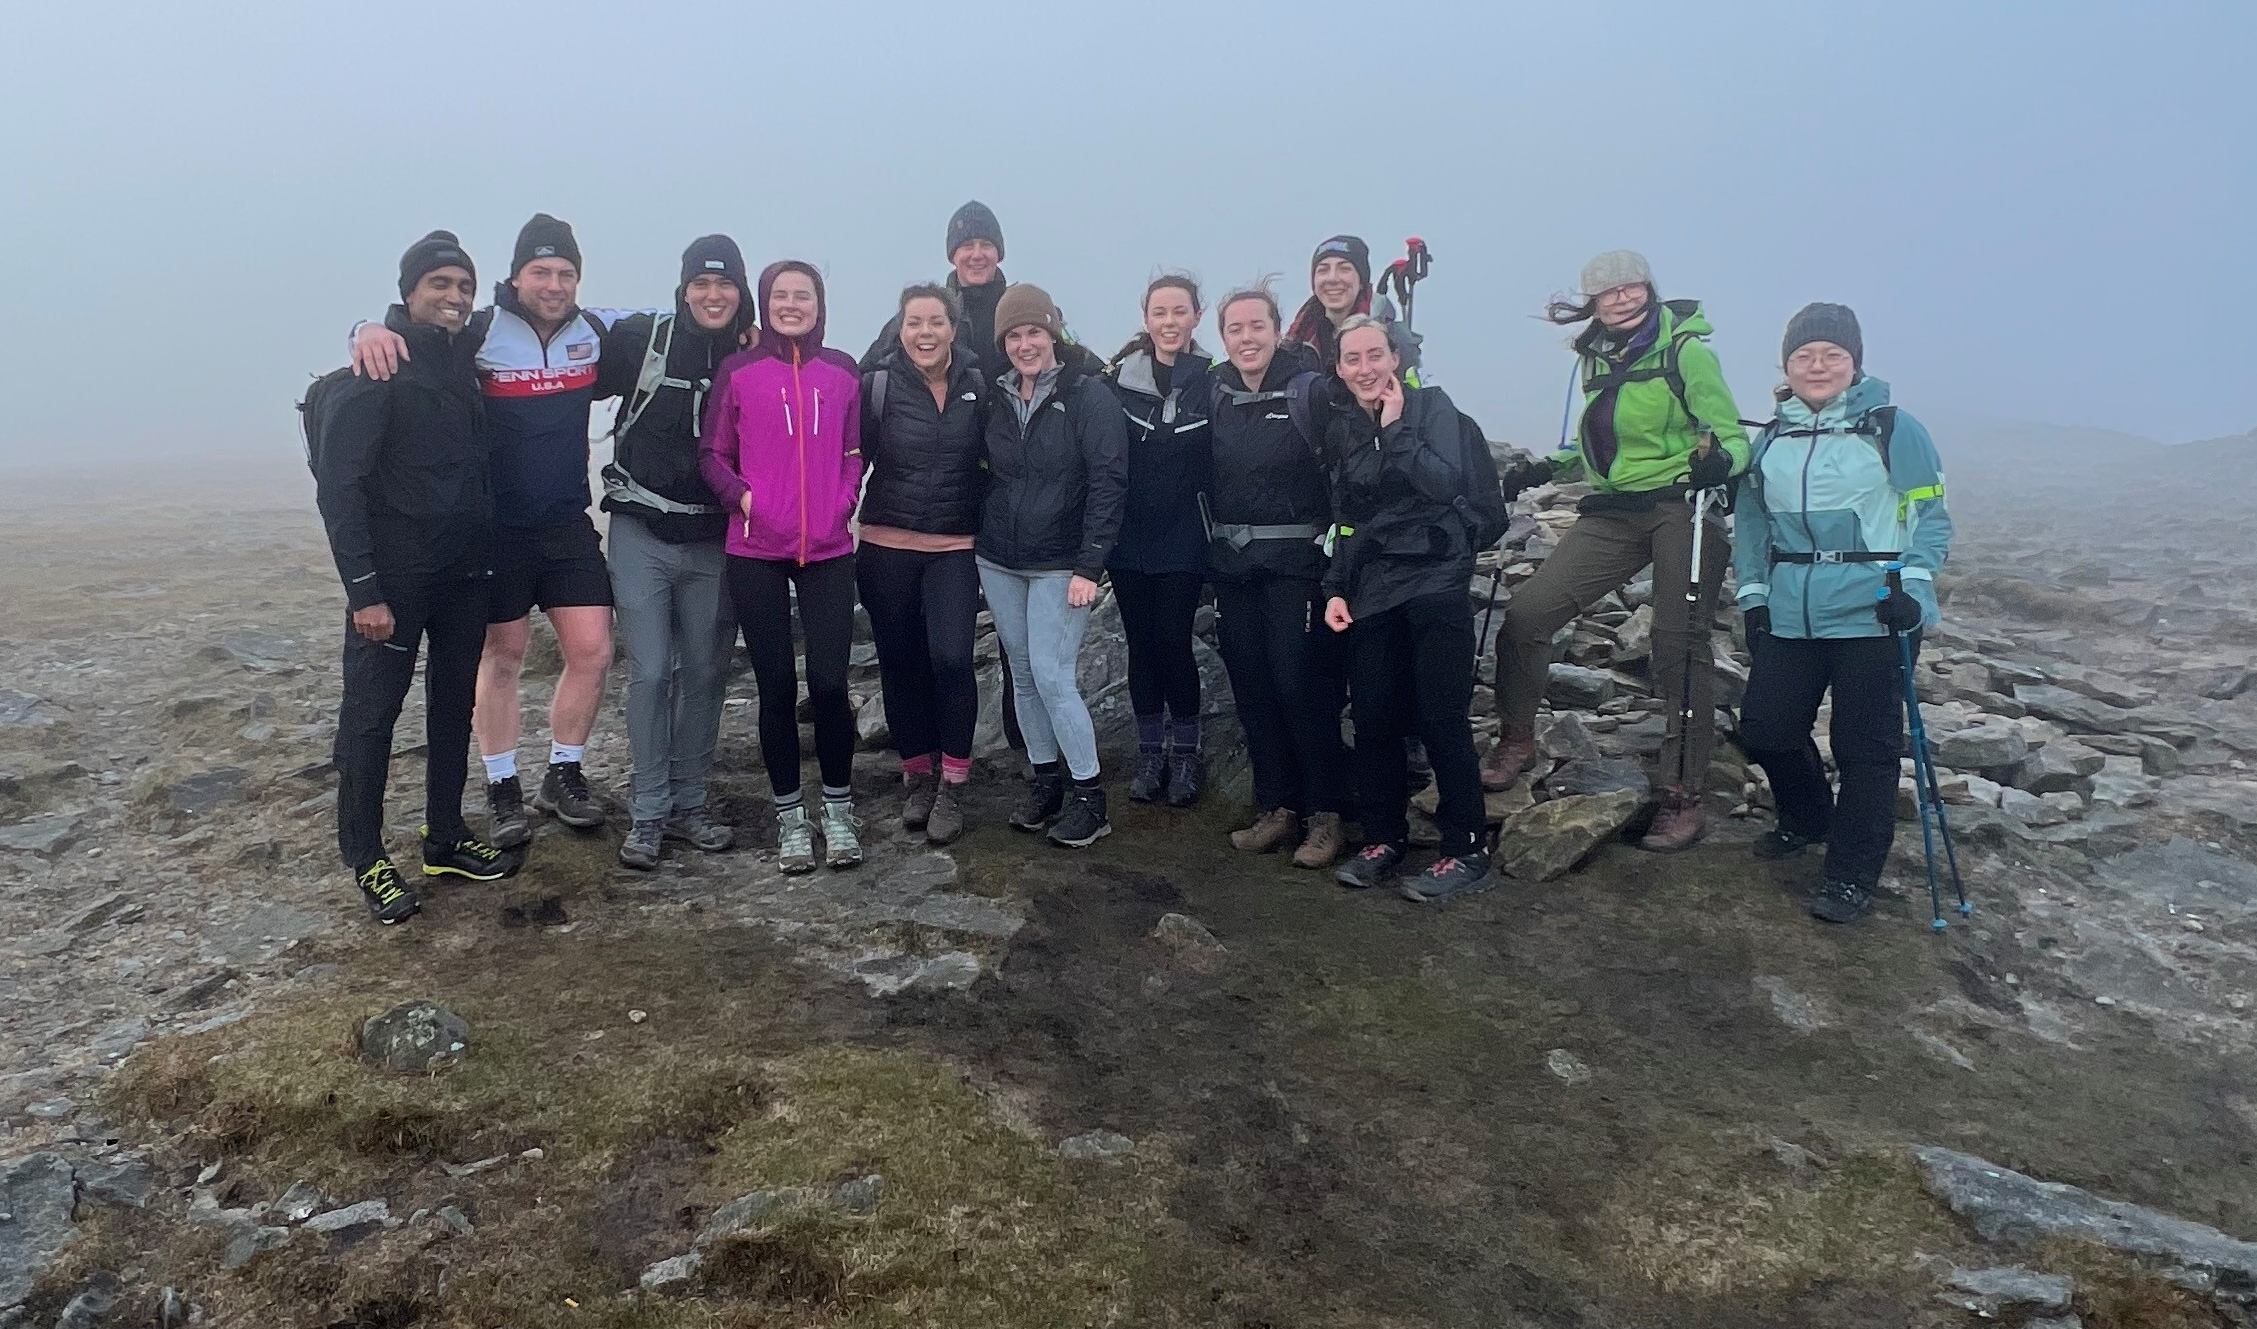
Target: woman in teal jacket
1842,483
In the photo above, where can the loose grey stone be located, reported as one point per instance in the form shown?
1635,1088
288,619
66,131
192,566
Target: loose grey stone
1574,688
2058,767
351,1216
45,836
127,1181
2079,713
743,1212
207,790
302,1201
455,1219
1984,747
1550,838
415,1036
37,1193
1570,1068
1802,1014
1562,736
21,710
1096,1145
259,652
860,1195
1599,775
672,1275
248,1246
92,1303
1987,1292
2029,809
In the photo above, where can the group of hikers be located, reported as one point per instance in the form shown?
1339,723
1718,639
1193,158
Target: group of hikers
763,483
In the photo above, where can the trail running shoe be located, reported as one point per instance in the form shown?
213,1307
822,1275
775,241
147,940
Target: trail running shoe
389,899
1046,794
1187,777
1372,866
645,841
1450,876
1842,902
565,795
698,829
795,840
1084,822
505,802
467,857
1148,783
917,794
947,819
842,840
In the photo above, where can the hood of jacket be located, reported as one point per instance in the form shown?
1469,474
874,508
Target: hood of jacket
1135,371
808,345
1594,340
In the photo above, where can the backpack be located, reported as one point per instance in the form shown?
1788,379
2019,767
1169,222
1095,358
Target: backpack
652,380
1487,515
313,412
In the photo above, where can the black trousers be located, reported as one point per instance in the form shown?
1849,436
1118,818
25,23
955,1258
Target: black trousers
1412,673
922,608
1285,678
1157,609
762,590
1866,676
450,615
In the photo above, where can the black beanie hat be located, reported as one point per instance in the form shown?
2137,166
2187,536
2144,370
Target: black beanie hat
437,250
718,255
974,221
1348,247
1823,322
544,237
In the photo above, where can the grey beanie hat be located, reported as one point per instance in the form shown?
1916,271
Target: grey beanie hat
1823,322
1616,267
974,221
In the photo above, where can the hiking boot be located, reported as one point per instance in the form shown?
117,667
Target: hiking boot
389,899
1321,846
1772,846
467,857
1450,876
1046,795
1371,866
1084,822
564,795
917,792
795,840
947,819
1679,825
645,840
1187,777
842,842
1270,831
1149,783
505,804
697,828
1509,758
1417,765
1842,902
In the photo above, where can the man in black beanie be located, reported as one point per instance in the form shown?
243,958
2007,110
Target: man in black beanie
975,259
400,470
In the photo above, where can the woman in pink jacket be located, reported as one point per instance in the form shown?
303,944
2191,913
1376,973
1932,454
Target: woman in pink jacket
783,449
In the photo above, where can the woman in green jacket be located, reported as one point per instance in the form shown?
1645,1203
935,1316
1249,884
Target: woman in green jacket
1658,425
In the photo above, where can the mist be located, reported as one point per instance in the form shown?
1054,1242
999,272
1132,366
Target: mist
2039,212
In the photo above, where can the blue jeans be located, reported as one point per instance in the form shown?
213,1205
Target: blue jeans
1042,639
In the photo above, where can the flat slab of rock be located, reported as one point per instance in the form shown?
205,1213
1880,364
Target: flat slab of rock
1550,838
1982,748
37,1193
1097,1145
45,836
2075,710
2005,1206
351,1216
1987,1292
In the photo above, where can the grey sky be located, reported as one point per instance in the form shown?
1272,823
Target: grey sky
2041,211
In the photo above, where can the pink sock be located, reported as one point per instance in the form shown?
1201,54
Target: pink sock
921,764
956,770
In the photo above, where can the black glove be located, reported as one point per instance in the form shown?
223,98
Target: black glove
1898,611
1710,470
1526,474
1757,621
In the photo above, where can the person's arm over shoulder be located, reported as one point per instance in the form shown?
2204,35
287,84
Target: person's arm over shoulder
717,454
352,430
1103,434
1709,398
1916,473
619,366
1751,541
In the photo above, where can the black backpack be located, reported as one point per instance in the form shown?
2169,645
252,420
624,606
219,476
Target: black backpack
1483,505
313,412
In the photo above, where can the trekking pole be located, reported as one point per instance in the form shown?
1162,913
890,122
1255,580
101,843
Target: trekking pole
1694,640
1927,793
1406,273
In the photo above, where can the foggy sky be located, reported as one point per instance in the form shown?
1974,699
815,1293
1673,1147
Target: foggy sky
2040,211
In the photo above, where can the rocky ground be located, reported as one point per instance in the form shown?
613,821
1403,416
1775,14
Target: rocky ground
1154,1084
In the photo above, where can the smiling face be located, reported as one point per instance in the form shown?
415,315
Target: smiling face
1621,307
548,288
712,300
1820,371
1170,314
1250,337
927,335
975,262
792,305
1030,349
443,297
1336,286
1366,363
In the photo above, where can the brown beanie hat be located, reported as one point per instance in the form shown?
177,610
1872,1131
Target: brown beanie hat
1023,304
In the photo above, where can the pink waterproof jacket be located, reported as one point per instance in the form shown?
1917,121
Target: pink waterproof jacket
789,432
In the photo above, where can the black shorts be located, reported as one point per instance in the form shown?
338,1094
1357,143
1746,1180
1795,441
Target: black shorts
554,567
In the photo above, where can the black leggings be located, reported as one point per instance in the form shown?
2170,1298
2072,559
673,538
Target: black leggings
1156,613
1285,678
1866,675
762,590
1413,674
922,607
451,616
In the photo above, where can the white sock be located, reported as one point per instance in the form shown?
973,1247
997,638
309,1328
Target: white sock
565,751
503,767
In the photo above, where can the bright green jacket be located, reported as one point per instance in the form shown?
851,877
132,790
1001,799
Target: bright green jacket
1655,429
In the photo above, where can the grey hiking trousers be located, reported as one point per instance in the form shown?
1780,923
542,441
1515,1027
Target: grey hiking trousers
672,603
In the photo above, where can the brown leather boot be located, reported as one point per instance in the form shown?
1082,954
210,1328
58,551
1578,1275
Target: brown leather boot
1512,754
1270,830
1321,847
1679,825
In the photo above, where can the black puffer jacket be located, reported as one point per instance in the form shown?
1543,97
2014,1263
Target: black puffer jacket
975,341
660,452
1167,463
400,467
927,466
1057,482
1393,489
1266,472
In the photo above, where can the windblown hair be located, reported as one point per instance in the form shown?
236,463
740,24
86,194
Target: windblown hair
1166,281
1357,323
1568,310
1262,289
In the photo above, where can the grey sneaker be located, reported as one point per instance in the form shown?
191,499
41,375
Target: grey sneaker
947,819
564,794
842,844
795,840
641,847
917,793
697,828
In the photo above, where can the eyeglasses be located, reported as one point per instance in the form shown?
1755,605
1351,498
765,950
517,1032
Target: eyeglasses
1808,359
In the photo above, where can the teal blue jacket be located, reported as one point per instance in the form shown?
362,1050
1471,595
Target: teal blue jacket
1817,482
